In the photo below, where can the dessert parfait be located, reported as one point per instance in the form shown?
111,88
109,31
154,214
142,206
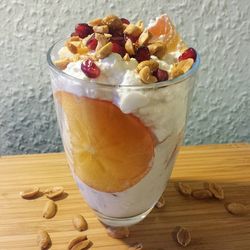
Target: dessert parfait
122,93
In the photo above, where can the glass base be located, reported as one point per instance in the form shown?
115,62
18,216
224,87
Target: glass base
122,222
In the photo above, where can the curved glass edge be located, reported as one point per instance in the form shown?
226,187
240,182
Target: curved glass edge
176,80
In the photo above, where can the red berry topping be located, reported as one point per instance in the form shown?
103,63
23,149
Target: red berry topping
161,75
189,53
83,30
90,69
124,20
117,48
92,43
142,54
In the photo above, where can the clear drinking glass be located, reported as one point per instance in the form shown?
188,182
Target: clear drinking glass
121,141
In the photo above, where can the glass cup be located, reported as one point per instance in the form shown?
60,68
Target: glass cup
121,141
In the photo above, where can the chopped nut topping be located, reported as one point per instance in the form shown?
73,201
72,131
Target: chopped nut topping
75,38
185,65
146,76
71,47
140,25
132,30
105,51
62,63
181,67
118,35
102,40
126,57
107,35
176,72
152,64
101,29
114,23
96,22
130,47
158,49
82,49
144,38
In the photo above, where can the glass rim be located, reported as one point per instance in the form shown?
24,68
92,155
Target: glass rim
174,81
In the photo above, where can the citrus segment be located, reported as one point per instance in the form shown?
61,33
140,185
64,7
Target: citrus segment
111,150
164,30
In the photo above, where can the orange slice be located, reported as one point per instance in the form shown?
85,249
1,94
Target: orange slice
111,150
164,30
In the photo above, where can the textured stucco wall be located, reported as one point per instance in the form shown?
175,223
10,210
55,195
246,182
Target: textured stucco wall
219,29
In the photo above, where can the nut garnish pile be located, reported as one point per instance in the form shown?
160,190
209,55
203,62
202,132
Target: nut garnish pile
101,37
49,211
183,236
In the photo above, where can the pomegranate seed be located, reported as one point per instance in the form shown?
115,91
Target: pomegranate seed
161,75
118,39
142,54
92,43
117,48
132,38
90,69
83,29
189,53
124,20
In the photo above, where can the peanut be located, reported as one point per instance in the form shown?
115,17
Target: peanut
144,38
132,30
146,76
152,64
43,239
30,192
105,51
96,22
54,192
49,209
114,23
158,49
79,223
130,47
101,29
62,63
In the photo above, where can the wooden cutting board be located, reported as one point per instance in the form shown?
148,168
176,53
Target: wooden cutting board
211,226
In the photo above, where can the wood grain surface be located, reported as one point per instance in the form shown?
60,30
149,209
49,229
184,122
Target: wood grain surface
211,226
